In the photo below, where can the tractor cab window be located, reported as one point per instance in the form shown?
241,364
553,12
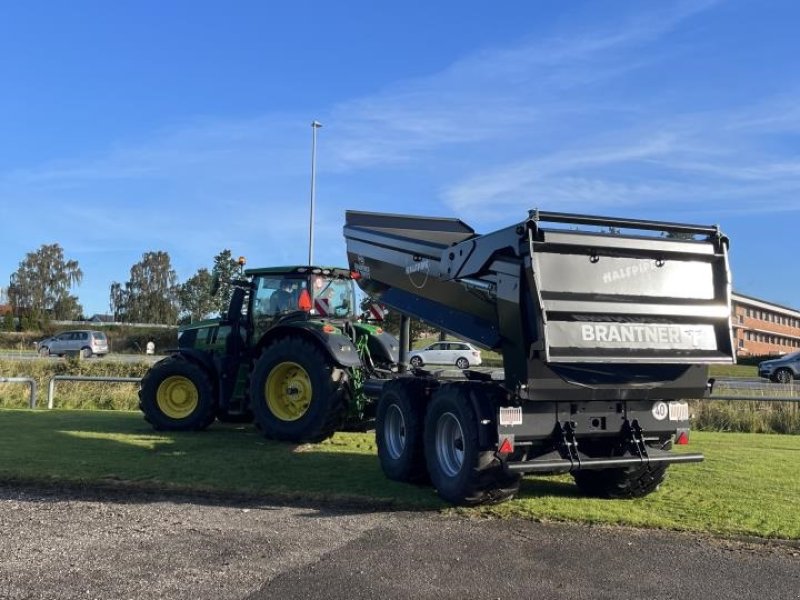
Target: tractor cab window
332,297
277,295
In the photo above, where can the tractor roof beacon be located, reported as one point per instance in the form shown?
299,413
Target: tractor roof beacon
291,353
605,327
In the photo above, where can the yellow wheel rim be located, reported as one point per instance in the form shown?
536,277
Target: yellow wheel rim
177,397
288,391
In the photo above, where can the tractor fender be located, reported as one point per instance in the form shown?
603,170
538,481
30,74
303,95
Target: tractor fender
383,346
202,359
338,346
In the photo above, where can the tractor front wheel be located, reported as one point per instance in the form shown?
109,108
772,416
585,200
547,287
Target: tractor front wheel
176,395
297,392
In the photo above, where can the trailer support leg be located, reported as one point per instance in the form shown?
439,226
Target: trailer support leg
405,341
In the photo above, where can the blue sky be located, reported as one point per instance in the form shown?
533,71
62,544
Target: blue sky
184,126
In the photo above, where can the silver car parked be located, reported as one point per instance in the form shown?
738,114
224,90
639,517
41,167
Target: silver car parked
781,370
460,354
85,342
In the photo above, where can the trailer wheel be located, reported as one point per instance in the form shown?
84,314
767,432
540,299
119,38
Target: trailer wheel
623,483
176,395
460,471
399,429
297,392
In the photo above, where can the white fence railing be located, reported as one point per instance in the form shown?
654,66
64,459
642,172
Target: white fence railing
29,380
754,390
51,388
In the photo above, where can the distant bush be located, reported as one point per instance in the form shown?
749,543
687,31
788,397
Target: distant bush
746,417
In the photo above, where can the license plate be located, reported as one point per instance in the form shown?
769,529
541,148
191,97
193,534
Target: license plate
678,411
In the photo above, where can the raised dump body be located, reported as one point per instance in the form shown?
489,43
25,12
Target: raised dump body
605,325
591,314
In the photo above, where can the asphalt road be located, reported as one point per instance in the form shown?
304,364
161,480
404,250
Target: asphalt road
62,544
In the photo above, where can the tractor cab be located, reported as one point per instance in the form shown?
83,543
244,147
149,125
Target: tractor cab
321,292
291,293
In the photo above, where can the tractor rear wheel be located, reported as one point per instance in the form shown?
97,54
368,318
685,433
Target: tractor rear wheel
297,392
176,395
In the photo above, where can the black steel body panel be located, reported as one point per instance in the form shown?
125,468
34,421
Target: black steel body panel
590,419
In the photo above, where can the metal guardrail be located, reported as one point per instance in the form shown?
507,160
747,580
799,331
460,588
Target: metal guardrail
751,390
51,388
29,380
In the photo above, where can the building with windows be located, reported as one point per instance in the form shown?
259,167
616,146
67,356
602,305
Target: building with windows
761,328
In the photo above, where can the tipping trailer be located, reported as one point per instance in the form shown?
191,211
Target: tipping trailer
606,326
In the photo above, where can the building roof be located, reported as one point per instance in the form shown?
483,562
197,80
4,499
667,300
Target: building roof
764,304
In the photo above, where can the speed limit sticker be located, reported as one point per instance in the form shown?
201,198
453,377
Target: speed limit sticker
660,411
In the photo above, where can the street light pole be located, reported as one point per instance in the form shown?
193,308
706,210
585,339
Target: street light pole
314,126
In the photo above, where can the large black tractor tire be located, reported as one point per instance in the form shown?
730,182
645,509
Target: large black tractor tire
459,469
400,428
177,395
623,483
297,392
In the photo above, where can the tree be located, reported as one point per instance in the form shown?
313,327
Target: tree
40,287
418,329
195,296
226,268
150,295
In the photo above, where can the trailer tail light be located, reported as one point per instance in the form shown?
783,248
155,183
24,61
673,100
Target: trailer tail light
682,439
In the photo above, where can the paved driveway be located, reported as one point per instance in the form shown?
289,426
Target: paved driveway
117,545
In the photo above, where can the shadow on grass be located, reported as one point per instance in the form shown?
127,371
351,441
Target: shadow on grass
118,457
539,487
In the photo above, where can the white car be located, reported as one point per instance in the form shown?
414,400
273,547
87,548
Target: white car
460,354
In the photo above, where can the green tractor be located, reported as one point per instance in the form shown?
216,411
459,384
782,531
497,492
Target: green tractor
291,354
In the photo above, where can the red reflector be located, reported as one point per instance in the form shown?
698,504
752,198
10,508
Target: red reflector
328,328
355,275
683,439
506,447
304,302
379,331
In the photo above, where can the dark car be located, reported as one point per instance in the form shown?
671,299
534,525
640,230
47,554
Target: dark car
781,370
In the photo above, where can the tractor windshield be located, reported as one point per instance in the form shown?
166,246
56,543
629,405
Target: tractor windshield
332,297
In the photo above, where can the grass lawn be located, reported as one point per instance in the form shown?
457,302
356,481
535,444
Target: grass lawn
749,484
